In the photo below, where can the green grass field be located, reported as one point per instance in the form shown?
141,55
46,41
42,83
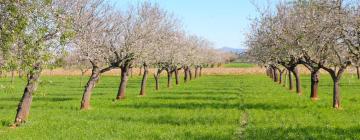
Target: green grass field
212,107
238,65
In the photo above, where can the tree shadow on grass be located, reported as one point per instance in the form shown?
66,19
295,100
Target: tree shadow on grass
322,133
197,105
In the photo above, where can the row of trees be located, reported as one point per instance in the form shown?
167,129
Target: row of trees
319,34
91,34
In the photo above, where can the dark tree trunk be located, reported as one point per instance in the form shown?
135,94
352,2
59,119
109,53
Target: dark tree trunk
275,75
297,80
85,102
200,72
291,84
284,81
357,72
169,78
123,83
176,71
186,74
271,73
23,109
281,72
157,78
143,81
314,84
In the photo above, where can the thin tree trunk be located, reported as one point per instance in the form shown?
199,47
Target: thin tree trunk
176,71
23,109
143,81
271,73
169,78
123,83
336,93
314,84
284,83
297,80
186,74
291,84
85,102
157,78
275,75
281,72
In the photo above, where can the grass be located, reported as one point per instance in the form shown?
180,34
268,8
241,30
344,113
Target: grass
238,65
212,107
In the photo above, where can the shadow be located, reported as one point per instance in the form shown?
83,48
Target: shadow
310,133
206,98
196,105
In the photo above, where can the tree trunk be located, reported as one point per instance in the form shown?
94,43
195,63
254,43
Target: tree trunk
85,102
314,84
291,84
336,93
157,78
176,76
143,81
297,80
169,78
284,81
186,74
275,75
271,73
123,82
23,109
280,76
357,72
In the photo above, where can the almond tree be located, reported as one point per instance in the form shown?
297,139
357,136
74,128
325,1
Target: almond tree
41,31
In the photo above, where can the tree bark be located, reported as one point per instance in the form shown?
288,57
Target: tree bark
143,81
275,75
336,93
186,74
123,83
157,78
23,109
291,84
169,78
85,102
176,71
314,84
297,80
200,72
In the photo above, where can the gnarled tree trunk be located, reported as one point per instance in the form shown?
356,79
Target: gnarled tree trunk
123,83
23,109
85,102
169,78
297,80
186,74
157,78
143,81
176,71
291,84
314,84
275,75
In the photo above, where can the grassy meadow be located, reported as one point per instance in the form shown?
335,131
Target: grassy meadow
219,107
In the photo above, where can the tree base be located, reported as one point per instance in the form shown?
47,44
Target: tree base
314,98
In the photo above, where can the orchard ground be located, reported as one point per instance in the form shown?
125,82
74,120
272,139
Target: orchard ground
215,106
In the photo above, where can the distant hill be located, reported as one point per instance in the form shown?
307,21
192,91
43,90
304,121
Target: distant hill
234,50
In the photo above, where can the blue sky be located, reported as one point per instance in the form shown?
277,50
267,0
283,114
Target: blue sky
223,22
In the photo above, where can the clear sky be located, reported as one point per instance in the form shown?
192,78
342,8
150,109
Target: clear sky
223,22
